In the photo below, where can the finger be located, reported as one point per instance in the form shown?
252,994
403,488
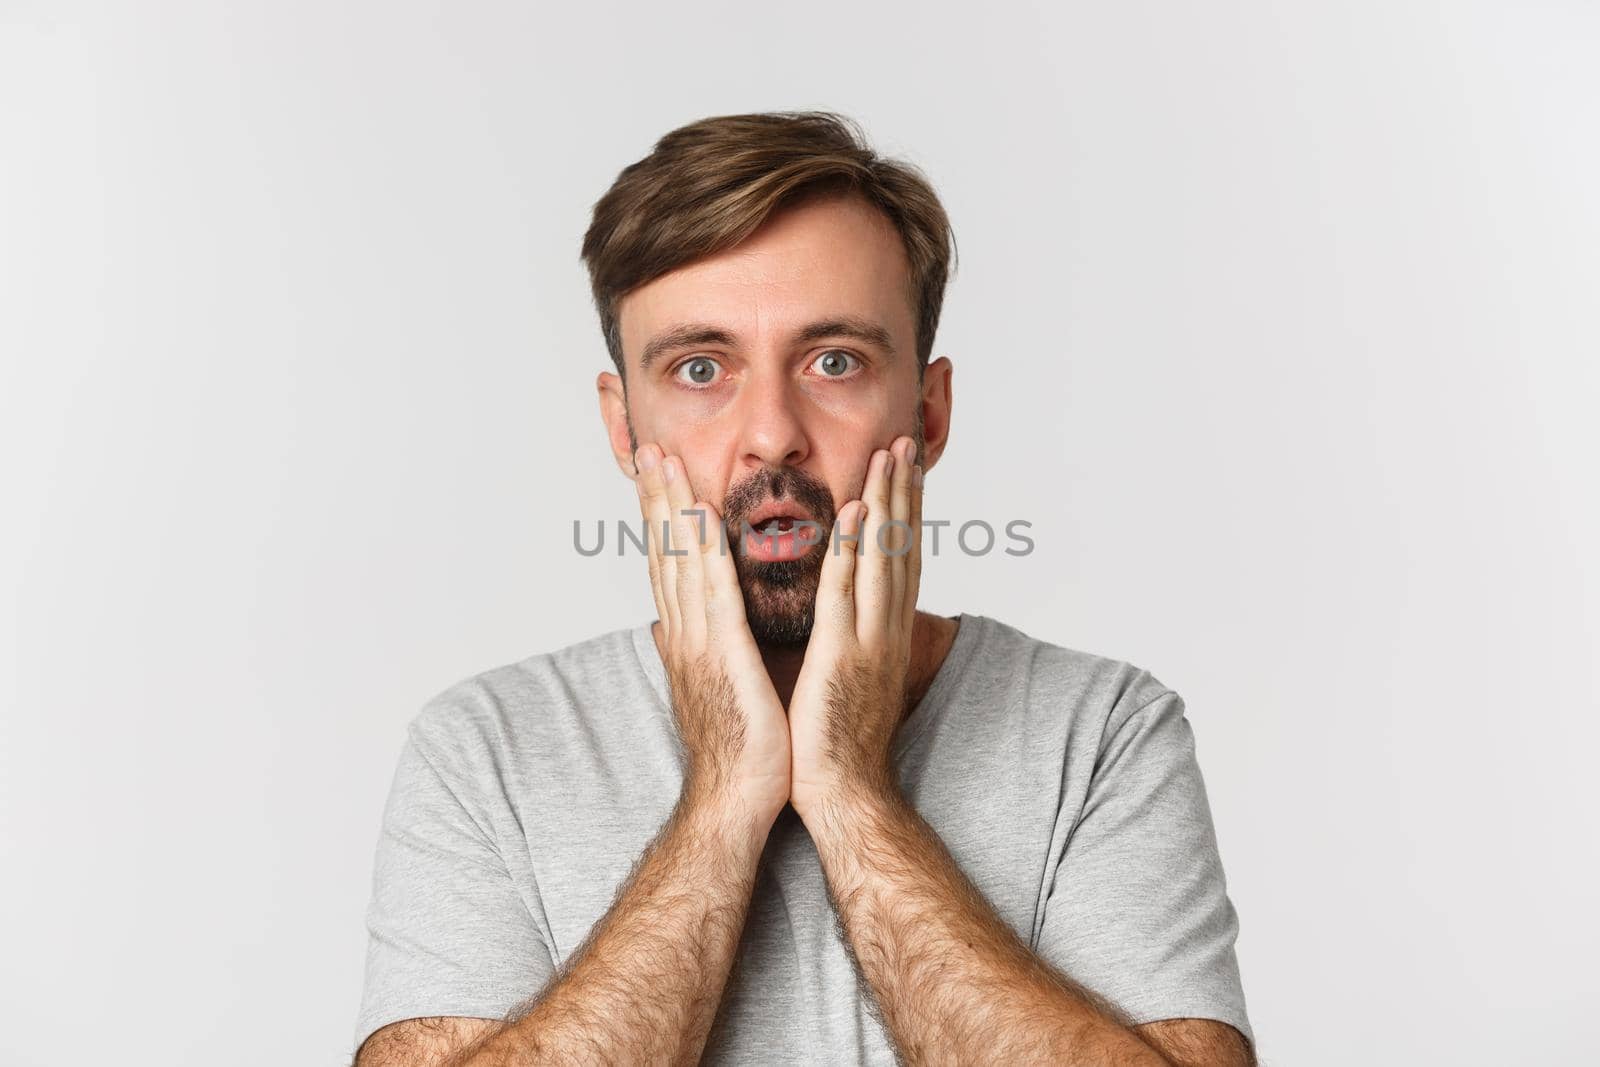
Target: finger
899,535
641,458
724,601
914,557
653,497
873,578
836,602
684,549
651,556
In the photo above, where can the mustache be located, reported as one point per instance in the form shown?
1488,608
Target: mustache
778,483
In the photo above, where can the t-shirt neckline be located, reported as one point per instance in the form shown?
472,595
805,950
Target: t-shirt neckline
968,637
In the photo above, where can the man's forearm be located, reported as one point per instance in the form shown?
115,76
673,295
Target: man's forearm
952,981
645,985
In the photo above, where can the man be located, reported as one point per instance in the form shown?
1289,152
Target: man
794,819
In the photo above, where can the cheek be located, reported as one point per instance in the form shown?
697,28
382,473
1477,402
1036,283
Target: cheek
680,407
667,410
853,408
708,473
845,477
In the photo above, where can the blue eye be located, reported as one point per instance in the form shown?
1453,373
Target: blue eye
697,371
835,363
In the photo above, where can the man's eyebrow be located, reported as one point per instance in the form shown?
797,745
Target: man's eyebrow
690,334
684,335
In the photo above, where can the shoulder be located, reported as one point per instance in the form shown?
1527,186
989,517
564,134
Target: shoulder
492,710
1099,692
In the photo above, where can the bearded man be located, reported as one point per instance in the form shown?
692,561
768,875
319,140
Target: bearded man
794,819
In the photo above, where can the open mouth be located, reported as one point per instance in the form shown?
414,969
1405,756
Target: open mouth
776,537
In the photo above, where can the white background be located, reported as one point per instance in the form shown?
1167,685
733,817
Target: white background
1278,321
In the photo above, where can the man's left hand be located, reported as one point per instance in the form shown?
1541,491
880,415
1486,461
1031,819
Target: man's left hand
851,694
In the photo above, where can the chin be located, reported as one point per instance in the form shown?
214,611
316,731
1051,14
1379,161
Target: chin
781,631
780,602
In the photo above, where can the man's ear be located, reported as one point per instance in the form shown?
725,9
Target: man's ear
614,413
935,410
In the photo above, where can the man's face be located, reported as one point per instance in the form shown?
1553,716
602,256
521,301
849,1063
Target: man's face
775,391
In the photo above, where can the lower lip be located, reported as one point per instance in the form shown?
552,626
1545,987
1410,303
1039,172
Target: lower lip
783,545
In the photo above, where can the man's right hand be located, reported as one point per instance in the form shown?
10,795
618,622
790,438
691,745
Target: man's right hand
646,983
729,716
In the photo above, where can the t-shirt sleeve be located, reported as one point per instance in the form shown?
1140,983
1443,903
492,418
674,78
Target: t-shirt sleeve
448,932
1138,911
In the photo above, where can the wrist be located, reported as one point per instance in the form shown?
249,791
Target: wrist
724,812
847,800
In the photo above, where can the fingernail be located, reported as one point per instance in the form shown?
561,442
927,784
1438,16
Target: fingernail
888,464
647,458
669,470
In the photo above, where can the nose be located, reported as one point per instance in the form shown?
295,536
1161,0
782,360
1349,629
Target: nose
773,433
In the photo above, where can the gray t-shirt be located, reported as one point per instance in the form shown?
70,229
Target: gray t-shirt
1064,784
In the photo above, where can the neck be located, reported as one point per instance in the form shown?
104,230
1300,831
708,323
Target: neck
783,666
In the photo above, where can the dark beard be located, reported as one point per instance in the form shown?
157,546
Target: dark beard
780,597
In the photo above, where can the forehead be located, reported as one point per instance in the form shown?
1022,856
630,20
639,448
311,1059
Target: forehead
831,258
